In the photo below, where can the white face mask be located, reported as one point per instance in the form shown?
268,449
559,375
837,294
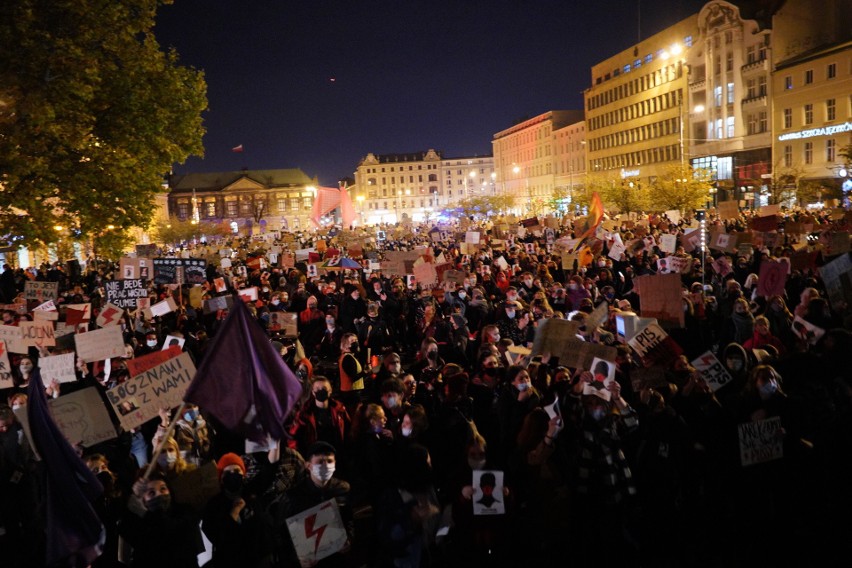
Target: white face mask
406,432
476,464
768,389
462,294
151,343
392,402
323,472
523,386
26,368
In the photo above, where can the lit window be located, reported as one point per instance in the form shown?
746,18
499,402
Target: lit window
830,150
730,125
809,76
809,113
831,71
809,152
830,109
788,156
788,82
788,118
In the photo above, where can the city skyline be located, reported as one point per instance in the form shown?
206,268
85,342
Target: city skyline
317,87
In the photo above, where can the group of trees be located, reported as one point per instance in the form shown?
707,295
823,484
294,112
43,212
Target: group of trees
93,114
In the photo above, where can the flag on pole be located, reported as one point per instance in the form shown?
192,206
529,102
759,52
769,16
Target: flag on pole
243,381
326,199
347,209
237,148
75,534
593,220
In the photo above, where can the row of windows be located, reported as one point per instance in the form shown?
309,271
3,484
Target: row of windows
372,181
645,132
829,111
402,168
632,159
638,62
808,152
208,209
404,203
655,79
757,123
636,110
808,76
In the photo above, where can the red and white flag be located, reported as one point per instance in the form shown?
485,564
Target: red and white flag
237,148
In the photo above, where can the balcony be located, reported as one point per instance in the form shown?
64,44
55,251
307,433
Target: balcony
697,85
758,100
759,65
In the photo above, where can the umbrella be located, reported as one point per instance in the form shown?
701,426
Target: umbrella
340,263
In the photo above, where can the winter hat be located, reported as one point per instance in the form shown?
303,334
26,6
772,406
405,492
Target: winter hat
230,459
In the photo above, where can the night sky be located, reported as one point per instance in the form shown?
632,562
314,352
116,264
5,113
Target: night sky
317,84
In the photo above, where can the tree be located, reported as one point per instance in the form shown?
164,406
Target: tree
92,115
484,205
618,194
681,188
174,231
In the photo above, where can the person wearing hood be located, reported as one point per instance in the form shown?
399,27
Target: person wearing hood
160,531
239,530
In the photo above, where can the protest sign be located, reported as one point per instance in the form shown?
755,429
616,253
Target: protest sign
139,399
661,297
806,331
248,294
162,308
6,381
104,343
725,242
196,295
57,367
765,224
772,279
82,417
668,243
712,371
616,250
598,316
426,274
691,240
47,306
488,496
653,345
673,215
110,314
78,313
559,338
317,532
648,377
286,322
761,441
472,237
166,270
837,276
125,293
728,209
604,375
138,365
173,341
218,303
37,333
11,334
41,291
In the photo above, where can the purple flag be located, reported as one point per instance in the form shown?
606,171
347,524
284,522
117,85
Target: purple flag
243,381
75,534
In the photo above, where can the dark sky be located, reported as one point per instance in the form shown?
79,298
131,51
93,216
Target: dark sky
316,84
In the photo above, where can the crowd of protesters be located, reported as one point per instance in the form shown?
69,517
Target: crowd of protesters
407,391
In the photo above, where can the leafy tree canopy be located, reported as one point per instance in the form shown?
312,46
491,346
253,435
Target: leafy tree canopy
683,189
93,113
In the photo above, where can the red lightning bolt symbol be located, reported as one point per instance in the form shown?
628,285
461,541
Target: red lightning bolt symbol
310,531
108,315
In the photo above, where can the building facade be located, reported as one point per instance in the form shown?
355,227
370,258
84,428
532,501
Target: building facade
635,111
245,201
729,102
812,99
418,186
569,162
524,158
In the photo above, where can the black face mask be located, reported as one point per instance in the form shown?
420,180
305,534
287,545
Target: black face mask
159,504
354,348
432,355
321,395
232,481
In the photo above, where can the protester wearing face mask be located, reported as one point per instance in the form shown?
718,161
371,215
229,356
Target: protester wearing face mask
238,527
320,485
160,530
192,435
321,419
328,348
171,465
392,396
517,399
374,446
311,326
352,374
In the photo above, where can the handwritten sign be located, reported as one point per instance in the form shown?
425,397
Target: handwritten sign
426,274
559,338
139,365
760,441
162,308
104,343
125,293
661,297
41,291
317,532
139,399
57,367
82,417
653,345
6,381
773,278
712,371
37,333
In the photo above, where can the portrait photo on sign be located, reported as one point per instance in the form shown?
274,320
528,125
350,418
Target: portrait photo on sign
604,374
488,496
172,340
